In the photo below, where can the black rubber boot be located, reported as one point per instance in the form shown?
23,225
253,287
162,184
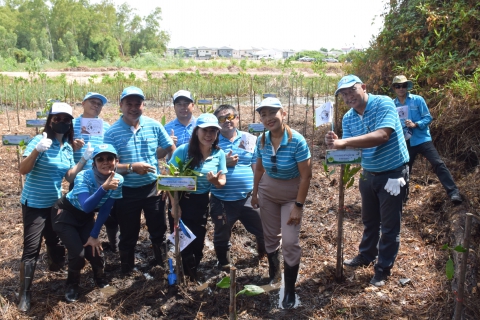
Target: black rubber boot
274,271
262,252
72,289
113,237
190,267
56,257
223,259
159,254
127,260
99,275
26,278
290,275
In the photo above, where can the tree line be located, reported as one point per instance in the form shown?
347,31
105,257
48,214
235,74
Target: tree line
61,30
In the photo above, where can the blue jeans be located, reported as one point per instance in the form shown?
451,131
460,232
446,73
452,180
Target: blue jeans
427,149
224,214
381,212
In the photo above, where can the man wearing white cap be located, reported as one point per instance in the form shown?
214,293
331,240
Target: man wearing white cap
137,139
181,128
372,124
419,141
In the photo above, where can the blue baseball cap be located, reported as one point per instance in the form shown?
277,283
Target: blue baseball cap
104,148
347,82
270,102
132,91
207,120
95,95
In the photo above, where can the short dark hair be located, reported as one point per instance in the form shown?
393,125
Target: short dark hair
225,107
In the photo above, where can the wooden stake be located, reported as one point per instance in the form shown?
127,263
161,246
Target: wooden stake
232,309
341,204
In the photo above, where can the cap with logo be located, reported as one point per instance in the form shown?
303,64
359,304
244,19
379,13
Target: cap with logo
206,120
184,94
270,102
347,82
95,95
61,107
104,148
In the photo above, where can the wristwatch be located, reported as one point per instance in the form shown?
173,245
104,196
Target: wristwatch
299,204
130,168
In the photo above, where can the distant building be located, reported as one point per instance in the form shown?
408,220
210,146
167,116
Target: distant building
270,54
287,54
225,52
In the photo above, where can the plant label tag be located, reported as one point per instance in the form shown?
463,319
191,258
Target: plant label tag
36,123
255,127
91,126
180,183
345,156
15,140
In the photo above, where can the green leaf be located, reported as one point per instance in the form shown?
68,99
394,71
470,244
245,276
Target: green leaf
164,121
459,248
450,270
224,283
251,290
445,246
350,183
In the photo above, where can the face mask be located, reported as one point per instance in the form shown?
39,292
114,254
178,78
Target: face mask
60,127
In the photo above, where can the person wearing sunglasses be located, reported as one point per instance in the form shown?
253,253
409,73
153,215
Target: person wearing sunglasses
280,187
233,202
73,217
208,159
47,160
372,124
420,140
138,139
181,128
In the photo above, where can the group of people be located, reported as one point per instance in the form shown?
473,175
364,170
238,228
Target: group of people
114,174
389,144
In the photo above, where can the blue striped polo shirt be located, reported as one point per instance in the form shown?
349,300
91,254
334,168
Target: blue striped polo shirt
140,146
418,113
239,178
183,133
43,185
85,182
380,112
94,140
288,155
215,163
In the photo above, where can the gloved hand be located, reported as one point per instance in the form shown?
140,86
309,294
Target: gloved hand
393,186
44,143
87,154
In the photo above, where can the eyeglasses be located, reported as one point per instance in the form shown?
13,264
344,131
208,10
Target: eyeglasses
346,92
274,161
403,85
107,158
228,117
66,119
182,104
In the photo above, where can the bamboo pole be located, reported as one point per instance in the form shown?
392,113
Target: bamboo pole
341,205
232,309
463,268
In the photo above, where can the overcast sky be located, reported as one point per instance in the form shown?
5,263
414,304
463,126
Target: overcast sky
282,24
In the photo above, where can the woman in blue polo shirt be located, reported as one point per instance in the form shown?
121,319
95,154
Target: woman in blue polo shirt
48,159
73,217
208,159
280,186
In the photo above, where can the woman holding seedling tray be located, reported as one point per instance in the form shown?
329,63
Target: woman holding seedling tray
73,217
48,159
203,155
280,186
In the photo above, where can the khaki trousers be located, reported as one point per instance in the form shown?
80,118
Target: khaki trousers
276,199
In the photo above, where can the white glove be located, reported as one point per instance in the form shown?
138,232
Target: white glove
44,143
87,154
393,186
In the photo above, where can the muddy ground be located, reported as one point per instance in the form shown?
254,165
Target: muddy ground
146,294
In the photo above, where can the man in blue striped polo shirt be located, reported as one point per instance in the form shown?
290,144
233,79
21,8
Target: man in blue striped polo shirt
372,124
232,202
137,139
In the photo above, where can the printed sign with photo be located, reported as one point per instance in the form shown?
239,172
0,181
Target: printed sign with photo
402,112
248,142
91,126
